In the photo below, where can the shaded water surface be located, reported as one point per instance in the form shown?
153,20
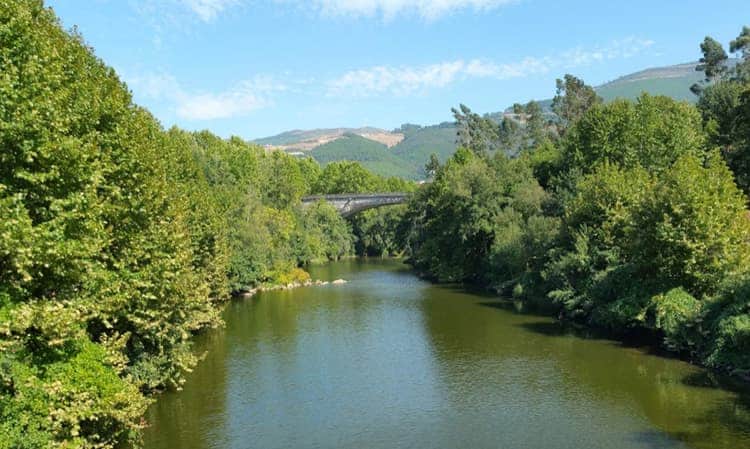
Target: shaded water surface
390,361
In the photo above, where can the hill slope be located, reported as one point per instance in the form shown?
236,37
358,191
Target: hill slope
374,156
671,81
306,140
404,151
419,143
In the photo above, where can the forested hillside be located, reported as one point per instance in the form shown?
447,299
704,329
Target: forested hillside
630,215
419,142
120,240
374,156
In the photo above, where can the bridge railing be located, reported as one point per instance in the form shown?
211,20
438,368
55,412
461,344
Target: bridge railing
353,196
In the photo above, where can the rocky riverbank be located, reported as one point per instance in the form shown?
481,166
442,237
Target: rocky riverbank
290,286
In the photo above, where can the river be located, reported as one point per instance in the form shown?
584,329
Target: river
391,361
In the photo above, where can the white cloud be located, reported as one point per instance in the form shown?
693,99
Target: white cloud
402,81
397,80
620,49
237,101
207,10
426,9
174,11
171,13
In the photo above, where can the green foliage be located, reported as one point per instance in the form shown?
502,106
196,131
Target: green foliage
510,134
376,232
574,98
118,240
628,222
714,59
729,321
741,45
725,107
373,156
323,235
76,401
420,143
676,314
352,177
652,132
473,216
693,227
718,105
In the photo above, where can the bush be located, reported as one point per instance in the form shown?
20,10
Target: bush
677,314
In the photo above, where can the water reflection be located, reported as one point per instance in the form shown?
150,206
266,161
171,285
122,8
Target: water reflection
389,361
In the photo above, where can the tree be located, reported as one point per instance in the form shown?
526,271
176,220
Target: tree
536,130
573,99
346,177
737,150
432,166
722,104
511,135
478,134
712,63
742,45
653,132
714,59
692,232
120,239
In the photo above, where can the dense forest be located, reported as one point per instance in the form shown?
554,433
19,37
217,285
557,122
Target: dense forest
629,216
119,240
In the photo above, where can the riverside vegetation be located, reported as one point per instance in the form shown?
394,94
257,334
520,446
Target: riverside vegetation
120,240
629,216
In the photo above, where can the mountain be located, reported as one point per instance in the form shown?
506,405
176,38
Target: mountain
404,151
306,140
374,156
421,141
672,81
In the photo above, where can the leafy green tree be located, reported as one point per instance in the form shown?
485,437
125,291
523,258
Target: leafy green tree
511,135
721,105
713,63
345,177
284,181
535,123
741,45
693,230
323,235
573,99
432,166
474,132
653,132
120,239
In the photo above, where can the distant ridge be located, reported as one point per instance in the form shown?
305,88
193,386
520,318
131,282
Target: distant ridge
306,140
672,81
404,151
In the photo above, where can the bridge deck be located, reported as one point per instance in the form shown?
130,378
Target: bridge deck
353,203
353,196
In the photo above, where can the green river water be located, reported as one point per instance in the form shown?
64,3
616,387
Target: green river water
391,361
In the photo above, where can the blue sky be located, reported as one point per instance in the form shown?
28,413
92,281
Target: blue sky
254,68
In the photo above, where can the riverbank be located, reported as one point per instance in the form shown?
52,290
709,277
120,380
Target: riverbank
390,361
245,294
